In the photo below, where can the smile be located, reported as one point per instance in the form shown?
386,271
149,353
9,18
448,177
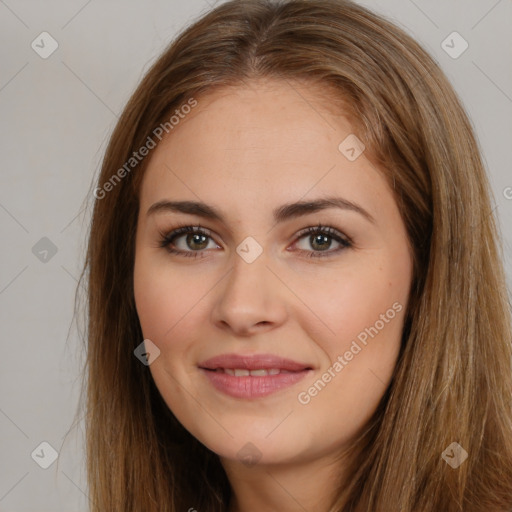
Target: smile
252,376
242,372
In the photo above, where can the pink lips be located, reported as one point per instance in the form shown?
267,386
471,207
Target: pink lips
252,376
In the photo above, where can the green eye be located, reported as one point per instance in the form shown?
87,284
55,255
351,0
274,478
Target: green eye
319,236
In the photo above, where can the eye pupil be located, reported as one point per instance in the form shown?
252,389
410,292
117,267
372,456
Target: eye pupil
319,238
194,237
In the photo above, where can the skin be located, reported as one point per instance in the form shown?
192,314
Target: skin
247,150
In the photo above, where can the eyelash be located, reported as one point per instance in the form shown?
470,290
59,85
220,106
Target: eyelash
168,239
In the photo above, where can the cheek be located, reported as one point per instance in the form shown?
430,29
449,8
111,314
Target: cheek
358,326
158,299
359,359
166,316
170,306
349,303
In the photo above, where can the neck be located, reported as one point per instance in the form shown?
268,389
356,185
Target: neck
288,488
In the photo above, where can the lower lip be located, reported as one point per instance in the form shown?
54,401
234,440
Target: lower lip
253,387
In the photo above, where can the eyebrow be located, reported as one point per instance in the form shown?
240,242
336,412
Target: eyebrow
280,214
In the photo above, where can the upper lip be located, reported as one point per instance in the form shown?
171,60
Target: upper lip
253,362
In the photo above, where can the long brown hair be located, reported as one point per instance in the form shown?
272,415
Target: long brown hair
453,378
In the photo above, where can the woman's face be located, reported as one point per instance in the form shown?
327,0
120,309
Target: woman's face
276,345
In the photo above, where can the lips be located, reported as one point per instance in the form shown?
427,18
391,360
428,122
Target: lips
252,376
253,363
242,372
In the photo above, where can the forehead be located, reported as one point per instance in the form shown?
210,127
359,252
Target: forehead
280,133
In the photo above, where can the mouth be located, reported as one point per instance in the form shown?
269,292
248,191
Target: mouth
253,362
252,376
243,372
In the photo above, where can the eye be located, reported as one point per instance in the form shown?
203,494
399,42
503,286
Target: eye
320,238
196,238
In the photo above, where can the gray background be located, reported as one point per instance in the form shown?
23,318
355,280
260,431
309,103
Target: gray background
56,116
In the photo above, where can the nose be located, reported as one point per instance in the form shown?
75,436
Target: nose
251,300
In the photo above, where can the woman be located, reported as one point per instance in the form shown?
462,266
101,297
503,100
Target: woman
296,297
